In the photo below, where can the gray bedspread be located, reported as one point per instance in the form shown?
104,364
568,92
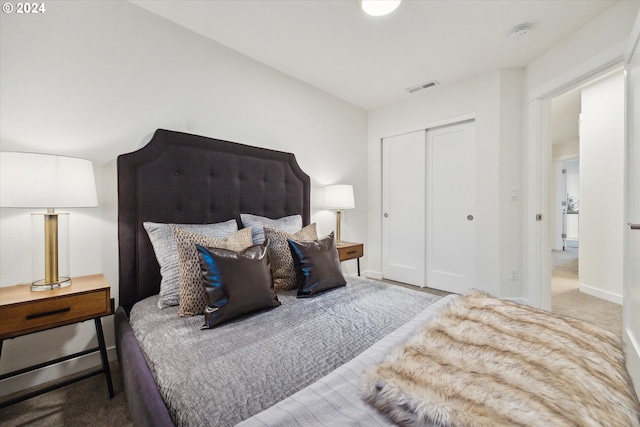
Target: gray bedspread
224,375
336,399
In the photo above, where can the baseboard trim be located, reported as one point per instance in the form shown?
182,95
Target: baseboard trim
632,356
373,275
47,374
599,293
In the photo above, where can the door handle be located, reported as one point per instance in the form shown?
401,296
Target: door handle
634,226
470,217
386,215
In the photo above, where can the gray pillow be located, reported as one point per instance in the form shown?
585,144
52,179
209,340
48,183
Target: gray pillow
164,245
289,224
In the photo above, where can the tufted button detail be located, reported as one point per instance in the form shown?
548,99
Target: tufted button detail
177,173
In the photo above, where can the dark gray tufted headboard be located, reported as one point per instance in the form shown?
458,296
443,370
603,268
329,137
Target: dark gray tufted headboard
183,178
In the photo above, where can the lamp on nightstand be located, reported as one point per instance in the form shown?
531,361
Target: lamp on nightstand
338,197
31,180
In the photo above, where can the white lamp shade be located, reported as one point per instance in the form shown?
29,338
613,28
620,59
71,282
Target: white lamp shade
339,197
31,180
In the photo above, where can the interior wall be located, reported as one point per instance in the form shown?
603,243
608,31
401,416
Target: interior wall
498,160
94,80
602,187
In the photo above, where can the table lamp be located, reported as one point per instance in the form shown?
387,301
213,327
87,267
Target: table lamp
31,180
338,197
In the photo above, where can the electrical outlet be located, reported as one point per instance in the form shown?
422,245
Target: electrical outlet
514,274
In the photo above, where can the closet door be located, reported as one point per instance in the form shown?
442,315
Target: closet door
450,214
403,208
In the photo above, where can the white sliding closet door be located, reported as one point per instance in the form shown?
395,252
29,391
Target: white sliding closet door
403,204
451,245
428,200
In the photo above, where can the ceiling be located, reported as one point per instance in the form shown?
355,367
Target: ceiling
370,61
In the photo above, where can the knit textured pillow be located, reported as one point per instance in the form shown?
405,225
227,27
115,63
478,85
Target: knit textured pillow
164,246
282,268
193,298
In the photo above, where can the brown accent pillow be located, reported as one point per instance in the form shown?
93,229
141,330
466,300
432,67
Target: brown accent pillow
282,269
192,295
236,283
317,266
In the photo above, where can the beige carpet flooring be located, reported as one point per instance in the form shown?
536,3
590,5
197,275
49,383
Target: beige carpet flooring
85,403
567,300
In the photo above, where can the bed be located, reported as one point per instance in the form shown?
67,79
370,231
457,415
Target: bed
325,360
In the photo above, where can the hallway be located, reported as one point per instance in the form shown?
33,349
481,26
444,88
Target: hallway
567,300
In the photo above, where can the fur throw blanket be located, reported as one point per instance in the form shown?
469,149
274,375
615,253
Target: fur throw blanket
488,362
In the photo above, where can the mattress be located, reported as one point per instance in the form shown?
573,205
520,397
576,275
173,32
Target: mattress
225,375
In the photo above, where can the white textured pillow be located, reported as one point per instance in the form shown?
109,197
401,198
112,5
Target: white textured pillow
166,249
289,224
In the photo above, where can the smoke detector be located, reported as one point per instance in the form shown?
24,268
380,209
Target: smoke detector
520,31
422,86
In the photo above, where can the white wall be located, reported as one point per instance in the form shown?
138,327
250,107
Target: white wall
602,186
94,80
607,34
566,150
495,100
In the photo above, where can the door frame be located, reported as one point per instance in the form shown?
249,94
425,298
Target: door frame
538,166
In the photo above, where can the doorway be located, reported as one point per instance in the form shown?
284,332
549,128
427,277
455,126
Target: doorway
587,153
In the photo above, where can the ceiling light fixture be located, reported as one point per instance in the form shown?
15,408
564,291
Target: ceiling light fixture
520,31
379,7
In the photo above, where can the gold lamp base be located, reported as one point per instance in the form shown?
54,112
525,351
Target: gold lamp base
43,285
52,278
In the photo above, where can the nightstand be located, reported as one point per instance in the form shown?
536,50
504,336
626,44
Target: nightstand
350,250
23,312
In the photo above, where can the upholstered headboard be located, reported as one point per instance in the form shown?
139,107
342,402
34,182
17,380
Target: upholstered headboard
182,178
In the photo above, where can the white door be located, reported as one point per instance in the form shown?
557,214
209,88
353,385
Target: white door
631,323
428,199
451,207
403,206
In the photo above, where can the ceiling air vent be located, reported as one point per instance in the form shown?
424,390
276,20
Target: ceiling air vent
422,86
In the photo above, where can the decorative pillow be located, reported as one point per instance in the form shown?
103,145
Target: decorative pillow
282,268
192,295
317,266
164,245
289,224
236,283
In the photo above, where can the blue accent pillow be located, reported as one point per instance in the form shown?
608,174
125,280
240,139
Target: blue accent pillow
317,265
236,283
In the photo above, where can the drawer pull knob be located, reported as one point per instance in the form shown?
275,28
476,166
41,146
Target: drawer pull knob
48,313
352,252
